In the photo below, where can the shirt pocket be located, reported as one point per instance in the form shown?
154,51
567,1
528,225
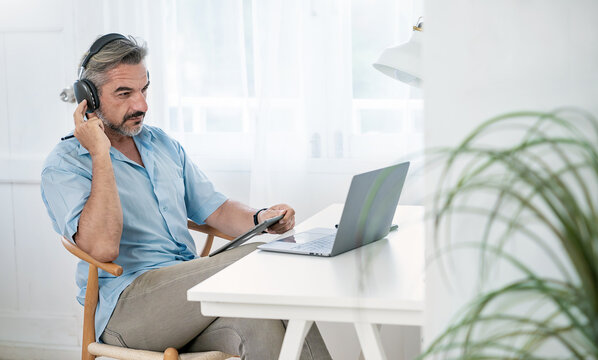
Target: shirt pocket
170,192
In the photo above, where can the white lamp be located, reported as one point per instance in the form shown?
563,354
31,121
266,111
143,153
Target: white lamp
403,62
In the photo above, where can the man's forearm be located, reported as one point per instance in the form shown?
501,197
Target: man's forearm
232,218
101,221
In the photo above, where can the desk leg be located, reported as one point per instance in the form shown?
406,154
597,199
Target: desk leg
293,339
369,338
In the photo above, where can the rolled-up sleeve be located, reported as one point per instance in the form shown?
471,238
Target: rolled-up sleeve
64,192
201,198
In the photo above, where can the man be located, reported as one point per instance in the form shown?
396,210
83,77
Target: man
123,192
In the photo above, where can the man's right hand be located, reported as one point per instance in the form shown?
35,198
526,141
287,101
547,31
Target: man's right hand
90,133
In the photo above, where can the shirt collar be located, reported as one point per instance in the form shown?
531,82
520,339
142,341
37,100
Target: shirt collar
144,137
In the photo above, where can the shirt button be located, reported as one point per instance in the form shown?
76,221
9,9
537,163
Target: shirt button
164,208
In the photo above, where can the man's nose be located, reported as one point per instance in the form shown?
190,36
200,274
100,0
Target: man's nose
140,104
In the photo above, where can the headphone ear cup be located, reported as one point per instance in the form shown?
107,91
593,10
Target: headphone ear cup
86,90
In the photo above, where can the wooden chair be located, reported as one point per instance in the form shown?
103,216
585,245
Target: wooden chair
90,348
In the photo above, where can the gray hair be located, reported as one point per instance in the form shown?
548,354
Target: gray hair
120,51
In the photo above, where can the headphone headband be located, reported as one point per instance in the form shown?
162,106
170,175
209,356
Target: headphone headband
99,44
84,89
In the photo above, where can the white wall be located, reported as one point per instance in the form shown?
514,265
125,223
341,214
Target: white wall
40,44
36,305
484,58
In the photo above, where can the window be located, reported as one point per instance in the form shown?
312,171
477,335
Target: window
296,74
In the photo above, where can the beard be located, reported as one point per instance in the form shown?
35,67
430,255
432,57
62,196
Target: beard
120,128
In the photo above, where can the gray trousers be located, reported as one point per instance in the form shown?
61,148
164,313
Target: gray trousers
153,313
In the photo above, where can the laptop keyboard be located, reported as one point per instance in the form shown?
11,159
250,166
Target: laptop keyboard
319,246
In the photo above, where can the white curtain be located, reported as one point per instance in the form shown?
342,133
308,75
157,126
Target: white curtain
283,89
302,58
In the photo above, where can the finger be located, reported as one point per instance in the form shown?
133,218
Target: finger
80,112
288,212
290,224
287,227
284,218
289,215
278,230
270,213
283,207
275,227
92,116
282,228
96,122
277,212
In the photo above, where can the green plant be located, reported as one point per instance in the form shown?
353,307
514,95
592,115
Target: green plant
541,191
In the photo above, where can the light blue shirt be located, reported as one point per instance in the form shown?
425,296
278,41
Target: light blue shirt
156,200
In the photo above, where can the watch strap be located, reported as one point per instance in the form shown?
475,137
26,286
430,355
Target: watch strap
255,220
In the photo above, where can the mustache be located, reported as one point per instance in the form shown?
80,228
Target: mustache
133,115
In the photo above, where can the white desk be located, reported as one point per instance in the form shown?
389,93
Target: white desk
381,283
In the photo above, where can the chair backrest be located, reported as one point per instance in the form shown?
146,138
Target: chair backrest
91,293
211,232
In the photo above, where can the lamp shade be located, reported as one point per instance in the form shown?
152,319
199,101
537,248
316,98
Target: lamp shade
403,62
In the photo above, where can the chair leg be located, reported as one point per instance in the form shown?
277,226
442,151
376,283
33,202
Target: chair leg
208,246
91,300
171,354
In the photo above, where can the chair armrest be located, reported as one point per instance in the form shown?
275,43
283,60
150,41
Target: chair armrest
207,229
111,268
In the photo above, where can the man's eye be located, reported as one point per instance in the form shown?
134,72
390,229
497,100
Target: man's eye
124,94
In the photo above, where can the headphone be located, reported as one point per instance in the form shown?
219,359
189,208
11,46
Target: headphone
85,89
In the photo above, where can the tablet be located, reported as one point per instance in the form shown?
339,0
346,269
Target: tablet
248,235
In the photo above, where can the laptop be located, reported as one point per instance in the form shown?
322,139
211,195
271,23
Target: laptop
367,215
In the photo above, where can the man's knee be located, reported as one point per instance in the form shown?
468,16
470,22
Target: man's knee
249,338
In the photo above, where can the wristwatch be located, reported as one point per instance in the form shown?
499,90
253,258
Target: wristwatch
255,220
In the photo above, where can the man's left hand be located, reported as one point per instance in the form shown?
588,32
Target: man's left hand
285,224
